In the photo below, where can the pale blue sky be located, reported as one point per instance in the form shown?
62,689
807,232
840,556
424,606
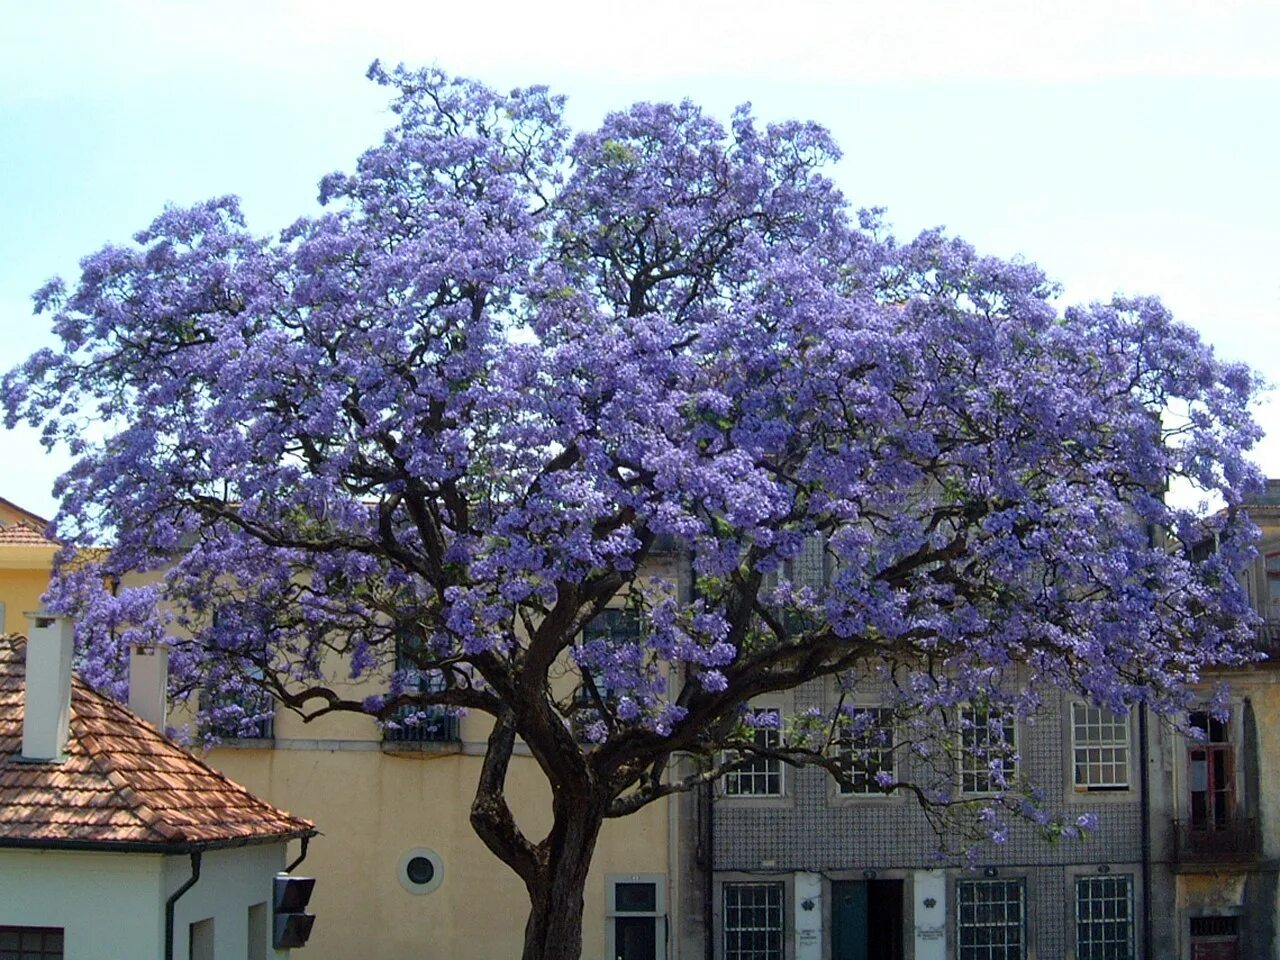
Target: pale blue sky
1127,146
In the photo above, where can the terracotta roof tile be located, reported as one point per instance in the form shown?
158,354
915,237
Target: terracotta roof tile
121,781
22,534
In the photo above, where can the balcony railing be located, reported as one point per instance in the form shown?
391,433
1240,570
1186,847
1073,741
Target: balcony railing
1232,841
1267,640
416,725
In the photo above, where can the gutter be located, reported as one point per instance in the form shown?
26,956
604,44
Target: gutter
142,846
172,902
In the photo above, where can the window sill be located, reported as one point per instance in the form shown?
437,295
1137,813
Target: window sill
421,747
246,743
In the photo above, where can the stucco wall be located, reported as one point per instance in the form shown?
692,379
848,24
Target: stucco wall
231,881
20,589
372,807
109,905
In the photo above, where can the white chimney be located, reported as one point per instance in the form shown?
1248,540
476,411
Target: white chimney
149,683
47,709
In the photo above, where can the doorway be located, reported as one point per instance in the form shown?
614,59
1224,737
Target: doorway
866,920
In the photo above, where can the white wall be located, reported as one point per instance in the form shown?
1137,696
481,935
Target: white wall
109,905
231,881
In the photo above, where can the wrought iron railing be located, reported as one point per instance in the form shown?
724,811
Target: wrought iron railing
1267,639
1234,840
422,725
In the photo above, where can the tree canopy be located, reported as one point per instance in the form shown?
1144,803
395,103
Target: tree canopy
461,410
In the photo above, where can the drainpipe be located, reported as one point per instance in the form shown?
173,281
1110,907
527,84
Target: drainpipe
709,888
172,902
706,803
301,856
675,864
1144,787
1144,797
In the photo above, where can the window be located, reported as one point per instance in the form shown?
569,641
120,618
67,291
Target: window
615,628
752,921
1211,775
242,710
636,911
30,943
414,723
988,746
1104,918
1100,748
990,920
1273,587
257,929
866,749
243,714
1215,938
761,776
200,940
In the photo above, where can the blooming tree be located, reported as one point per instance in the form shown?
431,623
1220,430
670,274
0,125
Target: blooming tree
459,413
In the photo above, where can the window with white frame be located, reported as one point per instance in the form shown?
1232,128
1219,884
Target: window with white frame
990,920
760,776
752,922
1104,917
1100,748
866,750
987,758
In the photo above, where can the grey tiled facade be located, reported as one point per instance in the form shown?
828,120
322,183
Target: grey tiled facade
812,829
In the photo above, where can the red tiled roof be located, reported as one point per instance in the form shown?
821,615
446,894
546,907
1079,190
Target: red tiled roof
21,533
122,783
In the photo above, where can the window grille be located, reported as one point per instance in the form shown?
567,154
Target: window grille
761,776
990,920
1104,918
866,749
245,714
1100,748
753,921
617,628
415,723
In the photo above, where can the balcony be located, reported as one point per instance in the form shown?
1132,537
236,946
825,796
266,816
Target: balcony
1267,640
1233,842
417,725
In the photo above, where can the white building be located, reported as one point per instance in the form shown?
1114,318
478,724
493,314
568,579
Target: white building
115,843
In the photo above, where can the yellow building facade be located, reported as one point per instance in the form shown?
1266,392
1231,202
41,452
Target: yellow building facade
386,808
26,556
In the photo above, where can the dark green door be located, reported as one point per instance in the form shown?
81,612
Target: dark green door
849,920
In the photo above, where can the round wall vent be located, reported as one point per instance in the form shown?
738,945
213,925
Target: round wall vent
420,870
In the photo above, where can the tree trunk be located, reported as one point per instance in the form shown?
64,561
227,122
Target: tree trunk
554,930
